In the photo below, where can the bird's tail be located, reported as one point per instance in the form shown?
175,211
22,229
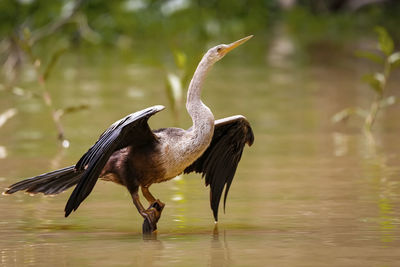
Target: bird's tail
50,183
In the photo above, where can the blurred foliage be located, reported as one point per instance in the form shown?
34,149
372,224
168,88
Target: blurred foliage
187,25
321,21
38,32
388,60
6,115
138,19
21,43
173,33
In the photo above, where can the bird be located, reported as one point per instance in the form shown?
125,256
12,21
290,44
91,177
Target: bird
133,155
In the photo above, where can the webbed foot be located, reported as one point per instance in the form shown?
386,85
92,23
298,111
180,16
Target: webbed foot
158,205
151,217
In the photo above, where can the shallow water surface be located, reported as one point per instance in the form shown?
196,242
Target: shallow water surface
308,193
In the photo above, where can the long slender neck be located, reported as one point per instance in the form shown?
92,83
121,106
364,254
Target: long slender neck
201,115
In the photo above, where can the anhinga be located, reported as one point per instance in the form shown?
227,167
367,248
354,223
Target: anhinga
131,154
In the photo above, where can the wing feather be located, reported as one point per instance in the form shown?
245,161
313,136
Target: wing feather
129,130
219,162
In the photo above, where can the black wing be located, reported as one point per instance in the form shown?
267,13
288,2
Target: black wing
131,129
219,162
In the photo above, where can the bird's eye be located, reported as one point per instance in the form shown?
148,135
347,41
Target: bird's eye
219,49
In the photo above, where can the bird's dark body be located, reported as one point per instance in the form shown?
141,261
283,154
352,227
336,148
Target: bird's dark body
142,165
139,165
129,153
133,167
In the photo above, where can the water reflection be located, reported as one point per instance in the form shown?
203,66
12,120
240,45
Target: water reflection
379,175
3,152
219,250
152,250
56,162
340,142
155,250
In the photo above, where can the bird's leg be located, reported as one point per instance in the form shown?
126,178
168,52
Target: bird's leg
146,193
151,215
155,203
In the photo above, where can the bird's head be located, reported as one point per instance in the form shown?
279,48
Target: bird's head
217,52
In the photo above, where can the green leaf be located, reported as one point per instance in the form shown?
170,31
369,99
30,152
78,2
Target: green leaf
375,81
27,33
385,42
347,112
388,101
53,60
174,90
180,59
369,55
6,115
341,115
394,60
72,109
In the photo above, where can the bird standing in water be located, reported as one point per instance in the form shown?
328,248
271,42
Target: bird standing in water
131,154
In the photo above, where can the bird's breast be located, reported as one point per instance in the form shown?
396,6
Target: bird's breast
179,151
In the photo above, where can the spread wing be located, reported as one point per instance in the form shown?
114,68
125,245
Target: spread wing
133,129
219,162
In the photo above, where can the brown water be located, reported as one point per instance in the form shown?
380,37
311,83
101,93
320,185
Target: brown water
308,193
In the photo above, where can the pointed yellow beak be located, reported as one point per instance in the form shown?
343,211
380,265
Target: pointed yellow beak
233,45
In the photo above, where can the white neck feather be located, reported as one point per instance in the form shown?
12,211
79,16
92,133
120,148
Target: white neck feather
180,153
202,117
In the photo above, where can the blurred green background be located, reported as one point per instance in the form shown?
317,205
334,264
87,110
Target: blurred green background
38,37
143,27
